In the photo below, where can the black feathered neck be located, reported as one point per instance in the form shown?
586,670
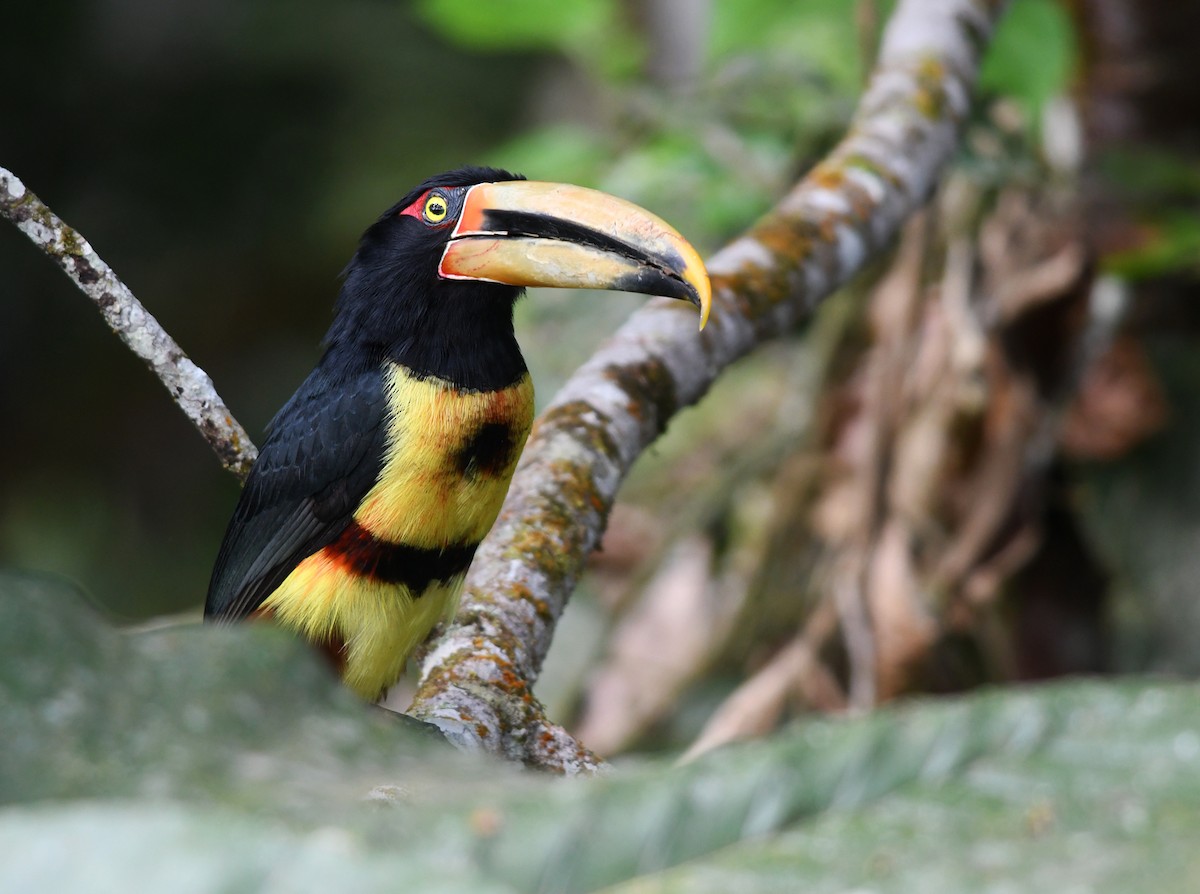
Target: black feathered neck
393,306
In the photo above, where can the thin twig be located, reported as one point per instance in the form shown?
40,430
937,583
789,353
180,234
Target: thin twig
189,385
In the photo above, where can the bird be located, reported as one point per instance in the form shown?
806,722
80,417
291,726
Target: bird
382,473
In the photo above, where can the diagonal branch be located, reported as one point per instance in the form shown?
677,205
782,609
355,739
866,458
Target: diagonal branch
189,385
476,681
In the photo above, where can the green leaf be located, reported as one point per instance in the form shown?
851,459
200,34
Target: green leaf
590,31
229,759
1162,189
518,24
822,33
1170,243
1105,803
1032,56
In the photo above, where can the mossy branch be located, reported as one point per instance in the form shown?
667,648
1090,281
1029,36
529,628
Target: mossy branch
476,681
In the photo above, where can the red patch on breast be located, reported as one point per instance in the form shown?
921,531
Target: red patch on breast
357,550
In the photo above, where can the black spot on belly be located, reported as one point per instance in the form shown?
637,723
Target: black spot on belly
488,451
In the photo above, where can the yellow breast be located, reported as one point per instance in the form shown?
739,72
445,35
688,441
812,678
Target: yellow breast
376,592
451,456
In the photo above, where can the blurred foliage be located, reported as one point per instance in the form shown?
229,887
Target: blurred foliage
1033,55
1163,188
589,31
231,761
1169,243
223,159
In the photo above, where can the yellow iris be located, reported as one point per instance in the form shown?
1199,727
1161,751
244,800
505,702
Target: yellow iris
435,209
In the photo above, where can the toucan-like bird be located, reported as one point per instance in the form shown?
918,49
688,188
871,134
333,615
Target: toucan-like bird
384,471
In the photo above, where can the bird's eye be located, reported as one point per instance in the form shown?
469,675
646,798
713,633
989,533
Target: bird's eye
436,208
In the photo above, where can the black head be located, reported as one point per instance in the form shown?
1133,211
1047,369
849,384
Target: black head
394,305
434,280
418,226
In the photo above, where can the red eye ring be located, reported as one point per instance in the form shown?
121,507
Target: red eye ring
417,208
432,208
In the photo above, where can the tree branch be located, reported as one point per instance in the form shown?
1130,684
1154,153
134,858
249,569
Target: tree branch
476,680
189,385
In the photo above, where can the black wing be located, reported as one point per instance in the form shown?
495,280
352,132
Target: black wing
323,453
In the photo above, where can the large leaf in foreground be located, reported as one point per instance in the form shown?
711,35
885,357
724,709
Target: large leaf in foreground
201,759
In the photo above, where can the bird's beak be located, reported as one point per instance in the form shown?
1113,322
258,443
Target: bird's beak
525,233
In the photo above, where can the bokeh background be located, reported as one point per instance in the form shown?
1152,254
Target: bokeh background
224,157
